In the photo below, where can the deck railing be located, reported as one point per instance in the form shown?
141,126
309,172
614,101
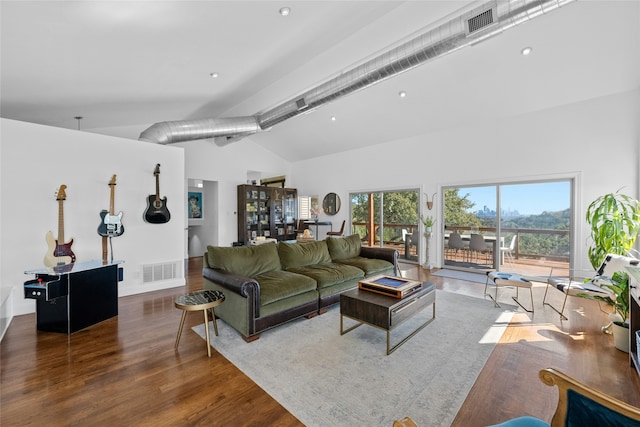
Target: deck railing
393,237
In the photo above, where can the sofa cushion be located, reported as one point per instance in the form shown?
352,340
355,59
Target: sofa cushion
330,274
247,261
344,247
370,266
293,255
280,285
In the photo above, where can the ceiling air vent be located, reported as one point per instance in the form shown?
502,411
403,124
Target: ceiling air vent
301,104
480,21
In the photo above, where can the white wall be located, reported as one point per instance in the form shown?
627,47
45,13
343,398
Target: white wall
230,166
37,159
596,141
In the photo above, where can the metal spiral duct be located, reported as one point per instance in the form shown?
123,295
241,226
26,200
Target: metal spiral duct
479,23
223,130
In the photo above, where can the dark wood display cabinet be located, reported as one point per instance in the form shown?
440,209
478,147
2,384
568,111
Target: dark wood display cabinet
266,211
74,296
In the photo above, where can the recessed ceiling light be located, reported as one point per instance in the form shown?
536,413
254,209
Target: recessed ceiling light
526,51
285,11
402,94
214,75
333,118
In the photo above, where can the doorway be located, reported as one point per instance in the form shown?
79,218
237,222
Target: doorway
202,228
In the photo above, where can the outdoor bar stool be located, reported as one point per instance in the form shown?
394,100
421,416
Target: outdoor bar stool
508,279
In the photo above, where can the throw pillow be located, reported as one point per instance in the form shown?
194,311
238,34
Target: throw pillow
344,247
245,260
293,255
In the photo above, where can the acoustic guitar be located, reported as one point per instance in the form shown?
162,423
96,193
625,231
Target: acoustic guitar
58,252
157,211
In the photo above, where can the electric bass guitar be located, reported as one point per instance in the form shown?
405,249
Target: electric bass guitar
58,252
111,224
157,211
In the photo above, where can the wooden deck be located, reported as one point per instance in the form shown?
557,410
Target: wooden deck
535,267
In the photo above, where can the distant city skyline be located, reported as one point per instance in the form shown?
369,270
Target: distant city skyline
526,199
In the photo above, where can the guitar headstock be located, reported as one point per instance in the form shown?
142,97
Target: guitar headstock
113,180
61,194
156,171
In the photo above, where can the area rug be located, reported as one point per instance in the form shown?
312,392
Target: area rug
461,275
325,379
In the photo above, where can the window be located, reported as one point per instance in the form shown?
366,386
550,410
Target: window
388,219
308,207
527,227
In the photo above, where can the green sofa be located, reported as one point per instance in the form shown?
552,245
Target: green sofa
269,284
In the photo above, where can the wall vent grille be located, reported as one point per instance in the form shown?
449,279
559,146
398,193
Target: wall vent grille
158,272
480,21
301,104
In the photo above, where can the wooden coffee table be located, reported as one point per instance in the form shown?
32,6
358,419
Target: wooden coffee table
385,312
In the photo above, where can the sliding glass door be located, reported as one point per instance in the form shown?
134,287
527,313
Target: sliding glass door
471,211
388,219
523,228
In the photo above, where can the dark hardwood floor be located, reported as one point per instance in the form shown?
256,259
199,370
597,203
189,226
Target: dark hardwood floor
125,371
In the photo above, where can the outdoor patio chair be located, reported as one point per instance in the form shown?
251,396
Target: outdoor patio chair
455,243
508,250
478,246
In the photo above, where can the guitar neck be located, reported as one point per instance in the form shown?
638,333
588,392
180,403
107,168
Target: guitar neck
157,187
111,203
60,222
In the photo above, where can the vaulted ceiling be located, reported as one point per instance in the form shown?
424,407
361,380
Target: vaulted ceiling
123,66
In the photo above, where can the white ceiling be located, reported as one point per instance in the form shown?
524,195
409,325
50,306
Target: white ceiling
123,66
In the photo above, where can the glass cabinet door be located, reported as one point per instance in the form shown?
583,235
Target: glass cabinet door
264,209
290,197
251,212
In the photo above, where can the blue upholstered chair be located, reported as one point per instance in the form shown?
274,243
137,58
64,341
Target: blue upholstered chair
523,422
580,405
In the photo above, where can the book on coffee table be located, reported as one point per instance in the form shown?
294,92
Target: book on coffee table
393,286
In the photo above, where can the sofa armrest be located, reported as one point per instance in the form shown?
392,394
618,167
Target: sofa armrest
241,285
387,254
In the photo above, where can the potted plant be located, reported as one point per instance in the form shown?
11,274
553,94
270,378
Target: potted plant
428,222
614,220
619,301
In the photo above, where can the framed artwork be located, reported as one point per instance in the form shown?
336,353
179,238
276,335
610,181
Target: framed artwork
194,205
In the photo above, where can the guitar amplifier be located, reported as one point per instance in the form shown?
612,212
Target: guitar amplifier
46,288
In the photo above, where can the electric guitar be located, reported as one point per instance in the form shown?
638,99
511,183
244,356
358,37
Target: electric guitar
111,225
157,211
59,252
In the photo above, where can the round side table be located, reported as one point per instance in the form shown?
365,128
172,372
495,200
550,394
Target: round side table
200,300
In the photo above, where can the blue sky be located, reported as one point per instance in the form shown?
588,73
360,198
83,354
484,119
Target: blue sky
527,199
